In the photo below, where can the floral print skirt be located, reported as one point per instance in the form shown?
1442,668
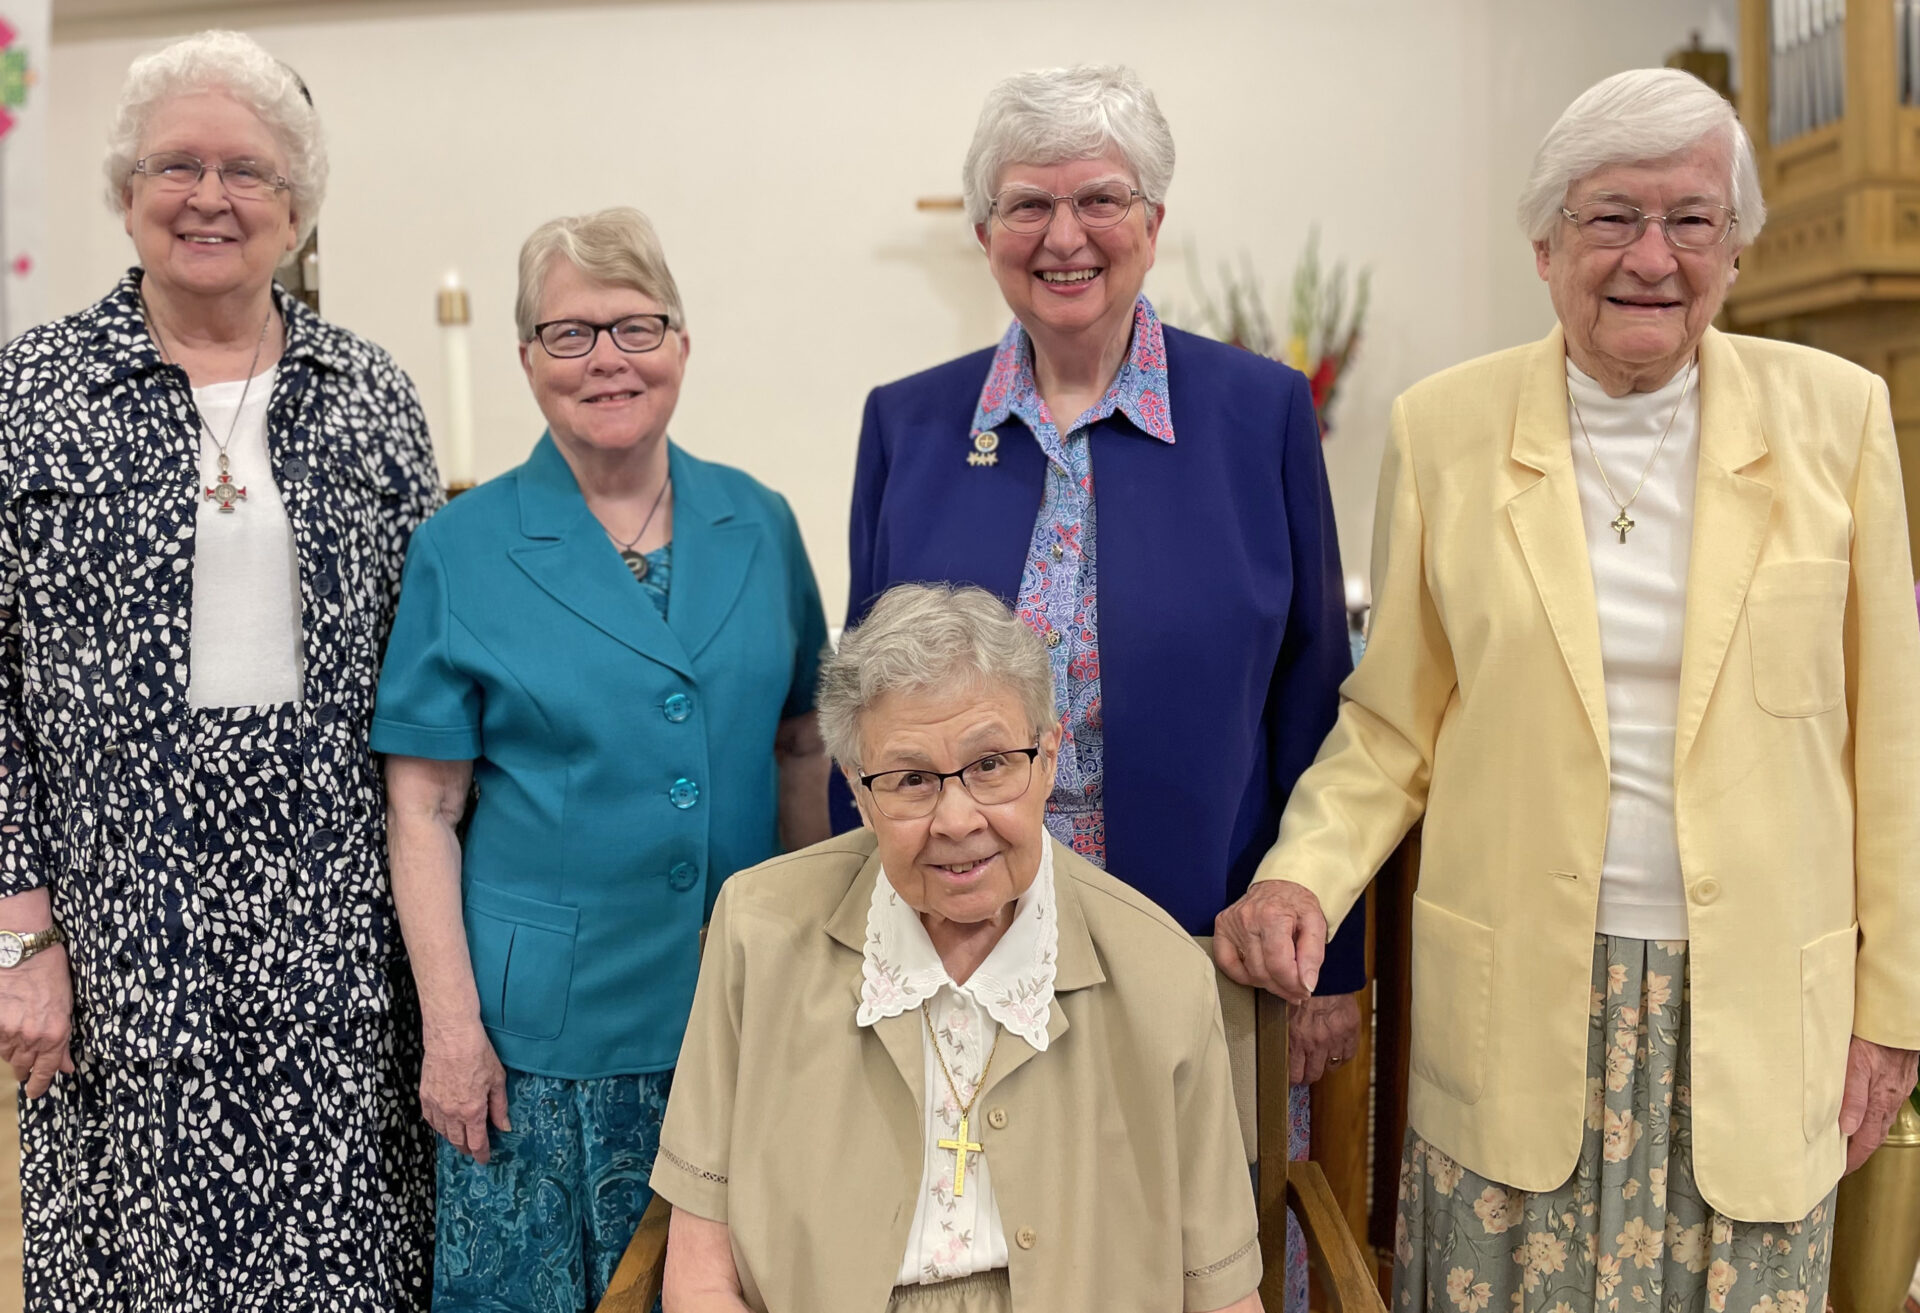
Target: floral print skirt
542,1226
1628,1232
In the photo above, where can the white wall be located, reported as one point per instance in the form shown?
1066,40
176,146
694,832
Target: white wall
780,144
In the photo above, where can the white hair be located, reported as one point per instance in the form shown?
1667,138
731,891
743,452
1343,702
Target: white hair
1641,115
1054,115
236,64
922,637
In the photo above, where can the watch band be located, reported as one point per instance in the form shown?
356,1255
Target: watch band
16,948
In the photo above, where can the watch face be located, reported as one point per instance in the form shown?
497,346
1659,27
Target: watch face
10,947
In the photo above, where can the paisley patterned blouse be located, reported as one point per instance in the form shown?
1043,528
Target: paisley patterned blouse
99,481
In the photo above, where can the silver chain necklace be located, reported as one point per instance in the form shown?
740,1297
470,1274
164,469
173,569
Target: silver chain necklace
224,490
1620,523
635,562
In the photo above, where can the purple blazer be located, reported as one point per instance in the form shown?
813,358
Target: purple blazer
1223,633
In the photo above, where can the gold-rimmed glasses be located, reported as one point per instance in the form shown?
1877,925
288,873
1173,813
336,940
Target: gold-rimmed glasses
1686,227
1098,204
176,170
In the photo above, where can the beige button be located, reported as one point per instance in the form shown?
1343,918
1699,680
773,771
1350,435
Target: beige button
1026,1237
1705,891
997,1118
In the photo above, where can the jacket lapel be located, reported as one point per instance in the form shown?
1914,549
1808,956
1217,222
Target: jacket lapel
1546,518
567,554
1730,515
712,553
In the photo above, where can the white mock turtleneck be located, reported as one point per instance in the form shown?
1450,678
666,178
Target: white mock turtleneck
1640,587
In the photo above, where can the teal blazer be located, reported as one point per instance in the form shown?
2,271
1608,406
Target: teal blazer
624,763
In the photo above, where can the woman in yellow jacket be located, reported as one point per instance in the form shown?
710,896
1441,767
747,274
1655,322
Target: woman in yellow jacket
1645,656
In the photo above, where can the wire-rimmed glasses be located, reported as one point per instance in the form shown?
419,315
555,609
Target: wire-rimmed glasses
911,795
1687,227
568,339
1100,204
176,170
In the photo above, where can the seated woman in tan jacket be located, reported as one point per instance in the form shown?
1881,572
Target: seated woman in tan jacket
942,1063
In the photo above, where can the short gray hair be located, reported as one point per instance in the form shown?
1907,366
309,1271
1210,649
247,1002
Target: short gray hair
1054,115
920,637
1633,117
616,247
238,65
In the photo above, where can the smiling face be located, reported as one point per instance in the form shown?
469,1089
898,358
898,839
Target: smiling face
1069,279
203,242
608,400
965,862
1634,314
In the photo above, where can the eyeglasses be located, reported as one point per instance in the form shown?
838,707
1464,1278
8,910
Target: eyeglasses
566,339
175,170
910,795
1096,205
1688,228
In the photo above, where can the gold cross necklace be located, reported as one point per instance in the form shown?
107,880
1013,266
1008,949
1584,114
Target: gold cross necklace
961,1146
1620,523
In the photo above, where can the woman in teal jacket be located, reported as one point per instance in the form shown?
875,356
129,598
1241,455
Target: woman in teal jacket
617,643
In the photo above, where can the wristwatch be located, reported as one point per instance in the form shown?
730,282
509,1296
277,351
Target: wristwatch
16,948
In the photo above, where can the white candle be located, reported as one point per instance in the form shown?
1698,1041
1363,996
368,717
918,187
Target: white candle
1359,596
457,356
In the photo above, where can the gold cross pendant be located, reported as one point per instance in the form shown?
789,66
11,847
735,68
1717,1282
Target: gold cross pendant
1622,524
961,1148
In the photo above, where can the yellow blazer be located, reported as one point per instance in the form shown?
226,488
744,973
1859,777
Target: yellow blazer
1481,703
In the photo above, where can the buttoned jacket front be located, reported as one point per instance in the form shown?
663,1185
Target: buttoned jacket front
1116,1155
100,481
1481,702
624,762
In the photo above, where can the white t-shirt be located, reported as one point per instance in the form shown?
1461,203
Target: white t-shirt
245,643
1640,587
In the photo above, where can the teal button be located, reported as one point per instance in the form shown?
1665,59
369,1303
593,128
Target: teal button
684,876
684,793
678,707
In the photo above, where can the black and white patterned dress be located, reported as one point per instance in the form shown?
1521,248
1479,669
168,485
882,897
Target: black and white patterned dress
241,1131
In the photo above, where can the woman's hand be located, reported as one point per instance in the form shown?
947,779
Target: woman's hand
463,1087
1322,1033
1274,938
700,1276
1878,1079
36,1019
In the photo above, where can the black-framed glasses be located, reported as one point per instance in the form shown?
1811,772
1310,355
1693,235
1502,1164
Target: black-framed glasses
910,795
1686,227
176,170
1095,205
567,339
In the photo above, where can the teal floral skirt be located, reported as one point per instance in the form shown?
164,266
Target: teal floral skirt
1628,1232
542,1226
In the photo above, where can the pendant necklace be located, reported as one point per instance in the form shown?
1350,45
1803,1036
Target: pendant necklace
224,490
632,558
960,1145
1620,523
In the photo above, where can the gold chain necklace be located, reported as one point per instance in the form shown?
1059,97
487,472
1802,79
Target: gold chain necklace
962,1146
1620,522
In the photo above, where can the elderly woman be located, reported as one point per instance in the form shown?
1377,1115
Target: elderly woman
945,1057
1196,626
617,642
1645,655
208,495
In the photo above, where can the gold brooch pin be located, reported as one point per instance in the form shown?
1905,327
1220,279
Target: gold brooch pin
985,444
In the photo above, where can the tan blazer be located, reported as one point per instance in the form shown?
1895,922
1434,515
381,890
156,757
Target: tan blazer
1117,1161
1480,702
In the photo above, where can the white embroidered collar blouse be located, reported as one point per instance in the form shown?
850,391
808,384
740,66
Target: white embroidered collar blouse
953,1237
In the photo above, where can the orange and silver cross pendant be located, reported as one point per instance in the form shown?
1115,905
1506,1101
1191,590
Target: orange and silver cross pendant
225,490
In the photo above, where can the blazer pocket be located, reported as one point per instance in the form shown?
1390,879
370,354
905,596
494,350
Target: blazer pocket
1826,1024
1452,999
1796,615
522,951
